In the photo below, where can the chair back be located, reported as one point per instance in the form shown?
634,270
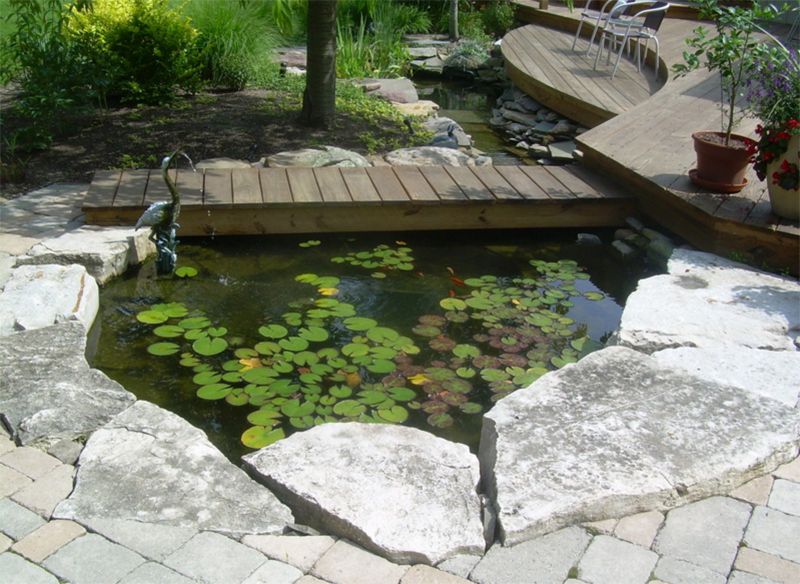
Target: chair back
655,15
619,8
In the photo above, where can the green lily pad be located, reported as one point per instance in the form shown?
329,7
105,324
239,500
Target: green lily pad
402,393
214,391
237,399
206,378
273,331
169,331
395,414
382,334
265,348
471,408
217,331
593,295
294,408
440,420
195,334
360,323
264,418
349,408
152,317
466,351
209,346
196,322
313,334
480,303
186,272
452,304
340,391
355,349
260,375
382,366
294,344
163,349
261,437
372,397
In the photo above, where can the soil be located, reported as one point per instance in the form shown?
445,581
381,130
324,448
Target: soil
207,125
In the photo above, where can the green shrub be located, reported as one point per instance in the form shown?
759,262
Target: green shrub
237,41
498,17
51,74
147,50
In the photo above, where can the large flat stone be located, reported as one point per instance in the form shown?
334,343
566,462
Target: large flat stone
49,393
105,252
618,433
151,466
398,491
40,296
707,301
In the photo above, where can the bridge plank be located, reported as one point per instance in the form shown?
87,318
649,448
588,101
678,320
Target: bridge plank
246,187
190,186
498,185
275,185
360,185
218,188
521,182
332,185
387,184
304,186
469,183
417,187
443,184
132,185
101,191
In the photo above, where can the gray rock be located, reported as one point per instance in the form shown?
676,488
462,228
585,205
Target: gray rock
400,90
105,252
151,466
7,262
771,374
521,117
707,301
428,156
398,491
49,392
623,249
562,151
44,295
222,162
528,103
617,433
315,157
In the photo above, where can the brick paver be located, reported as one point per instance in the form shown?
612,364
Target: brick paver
49,538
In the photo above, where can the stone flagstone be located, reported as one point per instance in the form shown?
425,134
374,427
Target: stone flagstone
151,466
401,492
49,392
617,433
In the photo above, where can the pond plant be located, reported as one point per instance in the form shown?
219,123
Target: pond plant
323,361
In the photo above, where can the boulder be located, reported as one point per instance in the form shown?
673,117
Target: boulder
49,393
151,466
314,157
222,162
105,252
44,295
400,90
398,491
708,301
618,432
428,156
423,108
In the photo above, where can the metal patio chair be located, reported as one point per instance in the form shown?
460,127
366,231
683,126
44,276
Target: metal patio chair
641,27
598,18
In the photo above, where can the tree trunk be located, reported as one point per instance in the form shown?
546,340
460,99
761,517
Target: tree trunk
319,97
453,20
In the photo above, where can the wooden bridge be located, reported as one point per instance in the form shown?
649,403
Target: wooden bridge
377,198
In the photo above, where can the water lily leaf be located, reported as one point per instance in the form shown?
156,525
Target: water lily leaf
539,320
203,367
432,320
294,344
480,303
360,323
283,366
261,437
405,266
349,408
466,372
426,330
163,349
190,361
217,331
302,423
209,346
402,393
382,334
355,349
172,309
169,331
196,322
525,379
264,417
284,387
439,373
260,375
340,391
458,385
378,275
310,378
454,316
454,399
442,344
395,414
306,278
343,310
294,408
194,334
372,397
434,407
593,295
306,358
214,391
326,282
383,352
494,375
310,243
419,379
237,399
471,408
152,317
328,291
561,361
452,304
206,378
382,366
273,331
186,272
440,420
466,351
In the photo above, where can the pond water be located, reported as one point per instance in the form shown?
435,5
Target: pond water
471,107
274,334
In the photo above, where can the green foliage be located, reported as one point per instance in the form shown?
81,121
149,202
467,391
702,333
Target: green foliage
236,41
51,74
733,49
468,53
146,50
372,48
497,17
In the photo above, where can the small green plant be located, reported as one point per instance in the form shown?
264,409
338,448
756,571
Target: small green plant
733,50
128,162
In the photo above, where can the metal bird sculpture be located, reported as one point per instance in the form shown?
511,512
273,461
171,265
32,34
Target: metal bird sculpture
162,217
448,140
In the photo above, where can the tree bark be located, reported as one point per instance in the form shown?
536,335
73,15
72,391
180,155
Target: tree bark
453,20
319,97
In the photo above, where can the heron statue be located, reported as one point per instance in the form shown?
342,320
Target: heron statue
449,140
162,217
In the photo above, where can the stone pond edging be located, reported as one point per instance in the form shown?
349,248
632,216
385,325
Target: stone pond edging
699,396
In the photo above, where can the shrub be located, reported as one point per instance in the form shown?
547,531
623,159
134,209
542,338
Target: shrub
146,49
236,41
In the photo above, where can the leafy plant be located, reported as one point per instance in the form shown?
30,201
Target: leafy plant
733,50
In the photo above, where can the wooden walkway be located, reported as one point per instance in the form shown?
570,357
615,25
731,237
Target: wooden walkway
646,146
379,198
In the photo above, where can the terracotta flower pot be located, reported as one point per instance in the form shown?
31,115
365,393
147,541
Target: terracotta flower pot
785,202
719,167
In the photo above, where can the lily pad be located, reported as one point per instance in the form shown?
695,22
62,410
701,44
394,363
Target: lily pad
186,272
169,331
382,366
440,420
163,349
214,391
265,418
452,304
261,437
313,334
209,346
349,408
152,317
360,323
196,322
395,414
294,344
273,331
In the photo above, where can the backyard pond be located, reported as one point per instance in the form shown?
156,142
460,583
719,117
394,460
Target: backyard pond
255,338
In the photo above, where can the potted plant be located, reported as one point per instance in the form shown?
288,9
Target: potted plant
774,98
733,50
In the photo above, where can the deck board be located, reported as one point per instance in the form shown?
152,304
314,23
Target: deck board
275,185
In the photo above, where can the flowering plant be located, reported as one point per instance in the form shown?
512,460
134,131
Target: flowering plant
773,96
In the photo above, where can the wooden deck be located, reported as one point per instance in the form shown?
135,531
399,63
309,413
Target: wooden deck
379,198
646,147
